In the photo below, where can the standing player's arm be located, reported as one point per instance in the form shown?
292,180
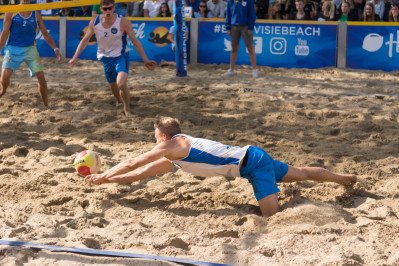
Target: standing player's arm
171,37
6,29
83,43
126,26
47,37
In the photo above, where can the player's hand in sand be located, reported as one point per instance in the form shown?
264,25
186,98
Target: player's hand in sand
150,64
73,61
96,179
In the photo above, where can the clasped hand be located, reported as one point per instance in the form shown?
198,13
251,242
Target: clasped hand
95,179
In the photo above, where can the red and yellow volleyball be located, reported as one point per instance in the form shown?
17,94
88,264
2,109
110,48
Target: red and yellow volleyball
87,162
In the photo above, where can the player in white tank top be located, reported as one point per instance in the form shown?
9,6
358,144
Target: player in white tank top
211,158
111,32
111,42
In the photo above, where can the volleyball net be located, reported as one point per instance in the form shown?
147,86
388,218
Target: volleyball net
54,5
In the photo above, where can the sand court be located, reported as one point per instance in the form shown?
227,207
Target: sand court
340,119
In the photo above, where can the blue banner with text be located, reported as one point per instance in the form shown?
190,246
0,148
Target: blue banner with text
373,47
276,45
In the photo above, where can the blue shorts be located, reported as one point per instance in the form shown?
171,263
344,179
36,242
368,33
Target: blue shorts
263,172
15,55
114,65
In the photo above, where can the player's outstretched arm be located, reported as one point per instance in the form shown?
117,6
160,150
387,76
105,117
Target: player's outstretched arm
158,167
6,29
83,43
157,153
47,37
126,26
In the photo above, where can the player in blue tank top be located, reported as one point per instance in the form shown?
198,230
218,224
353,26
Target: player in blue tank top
19,32
205,157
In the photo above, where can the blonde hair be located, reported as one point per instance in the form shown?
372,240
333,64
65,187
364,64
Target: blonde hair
168,125
270,13
331,9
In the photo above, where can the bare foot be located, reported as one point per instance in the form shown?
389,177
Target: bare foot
126,112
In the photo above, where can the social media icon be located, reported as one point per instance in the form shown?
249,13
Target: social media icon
302,50
227,45
258,45
278,45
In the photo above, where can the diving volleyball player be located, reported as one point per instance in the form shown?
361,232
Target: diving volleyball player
203,157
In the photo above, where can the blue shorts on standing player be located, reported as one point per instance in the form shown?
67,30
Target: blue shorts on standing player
263,172
15,55
114,65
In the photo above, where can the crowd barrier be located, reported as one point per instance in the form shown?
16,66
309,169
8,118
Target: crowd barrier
287,44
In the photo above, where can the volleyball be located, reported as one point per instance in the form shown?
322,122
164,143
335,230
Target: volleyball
87,162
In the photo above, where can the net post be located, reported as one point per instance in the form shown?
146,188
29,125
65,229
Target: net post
179,24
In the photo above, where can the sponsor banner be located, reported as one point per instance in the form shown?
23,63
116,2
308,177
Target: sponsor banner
276,45
43,48
153,36
76,29
373,47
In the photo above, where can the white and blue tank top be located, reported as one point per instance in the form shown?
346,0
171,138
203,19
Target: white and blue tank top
110,42
23,31
211,158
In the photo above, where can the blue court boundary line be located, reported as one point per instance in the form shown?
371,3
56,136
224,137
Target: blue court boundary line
324,93
86,251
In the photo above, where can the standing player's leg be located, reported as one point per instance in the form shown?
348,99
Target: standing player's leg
233,56
121,81
32,59
122,69
42,85
116,71
235,42
115,92
248,37
252,55
5,80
